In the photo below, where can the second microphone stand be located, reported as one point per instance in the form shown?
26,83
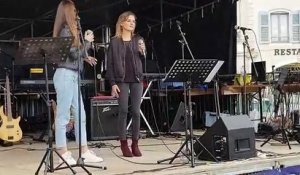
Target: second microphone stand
244,93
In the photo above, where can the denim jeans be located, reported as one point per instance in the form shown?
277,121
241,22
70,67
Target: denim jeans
66,87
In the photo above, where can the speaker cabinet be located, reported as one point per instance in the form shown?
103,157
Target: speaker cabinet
229,138
179,123
104,119
261,71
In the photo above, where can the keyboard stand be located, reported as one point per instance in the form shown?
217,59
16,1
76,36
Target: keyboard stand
141,112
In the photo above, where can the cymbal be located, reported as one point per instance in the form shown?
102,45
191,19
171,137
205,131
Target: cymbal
292,67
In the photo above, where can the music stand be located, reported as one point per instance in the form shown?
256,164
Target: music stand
188,71
32,50
43,50
280,101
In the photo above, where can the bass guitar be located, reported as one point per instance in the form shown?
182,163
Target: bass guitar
10,130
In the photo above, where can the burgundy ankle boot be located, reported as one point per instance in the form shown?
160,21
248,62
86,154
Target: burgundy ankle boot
125,150
135,148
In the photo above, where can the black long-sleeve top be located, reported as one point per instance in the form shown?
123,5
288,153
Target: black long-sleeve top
116,59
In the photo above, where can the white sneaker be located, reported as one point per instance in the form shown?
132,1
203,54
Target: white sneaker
67,156
90,157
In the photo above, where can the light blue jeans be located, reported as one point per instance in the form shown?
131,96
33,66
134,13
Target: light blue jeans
66,87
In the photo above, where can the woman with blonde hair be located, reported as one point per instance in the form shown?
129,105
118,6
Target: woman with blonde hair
125,72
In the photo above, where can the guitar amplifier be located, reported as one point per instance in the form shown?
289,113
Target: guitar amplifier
104,118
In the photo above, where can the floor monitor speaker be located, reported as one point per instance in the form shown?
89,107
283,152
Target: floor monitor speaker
179,123
229,138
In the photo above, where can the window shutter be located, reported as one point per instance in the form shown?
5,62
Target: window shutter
264,27
296,26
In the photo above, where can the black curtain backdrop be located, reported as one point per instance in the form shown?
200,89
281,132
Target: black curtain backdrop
210,37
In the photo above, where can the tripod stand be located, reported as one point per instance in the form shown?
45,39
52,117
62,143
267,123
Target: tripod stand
49,49
280,101
188,71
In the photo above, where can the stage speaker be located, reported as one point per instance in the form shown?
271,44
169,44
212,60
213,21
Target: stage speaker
261,71
229,138
211,117
179,123
104,119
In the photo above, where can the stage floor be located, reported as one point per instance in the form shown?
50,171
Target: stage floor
24,158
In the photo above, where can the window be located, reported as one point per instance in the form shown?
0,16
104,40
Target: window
296,26
264,27
279,27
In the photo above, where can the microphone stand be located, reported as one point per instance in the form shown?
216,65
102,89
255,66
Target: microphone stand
182,48
246,45
80,160
184,39
95,70
187,99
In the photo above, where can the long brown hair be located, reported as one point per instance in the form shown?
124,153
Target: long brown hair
123,17
61,20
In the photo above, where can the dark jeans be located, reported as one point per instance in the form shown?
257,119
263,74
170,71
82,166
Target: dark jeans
135,91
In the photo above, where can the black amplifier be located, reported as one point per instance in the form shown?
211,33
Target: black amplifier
104,101
104,118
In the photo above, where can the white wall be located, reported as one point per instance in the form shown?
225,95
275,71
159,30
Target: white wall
248,16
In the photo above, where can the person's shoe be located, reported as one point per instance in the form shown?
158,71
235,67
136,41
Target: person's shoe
135,148
90,157
125,149
67,156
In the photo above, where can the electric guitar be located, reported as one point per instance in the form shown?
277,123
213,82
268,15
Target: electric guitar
10,130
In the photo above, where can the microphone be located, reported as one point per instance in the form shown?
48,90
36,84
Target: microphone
241,28
178,22
144,53
93,45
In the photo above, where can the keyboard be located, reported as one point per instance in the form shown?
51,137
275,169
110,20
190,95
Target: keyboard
42,82
154,75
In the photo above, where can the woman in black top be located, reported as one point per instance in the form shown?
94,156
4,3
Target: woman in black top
125,71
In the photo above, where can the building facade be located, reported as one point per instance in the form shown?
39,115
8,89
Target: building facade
275,32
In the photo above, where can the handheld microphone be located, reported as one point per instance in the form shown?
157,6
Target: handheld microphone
178,22
93,45
241,28
144,53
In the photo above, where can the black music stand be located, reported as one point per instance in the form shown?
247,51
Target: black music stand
280,102
188,71
34,50
44,50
